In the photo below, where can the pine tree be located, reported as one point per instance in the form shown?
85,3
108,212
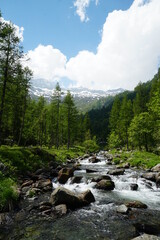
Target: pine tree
70,114
10,55
125,119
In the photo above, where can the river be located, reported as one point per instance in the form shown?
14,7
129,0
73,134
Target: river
99,220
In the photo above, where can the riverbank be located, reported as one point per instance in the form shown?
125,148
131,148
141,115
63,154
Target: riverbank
17,163
87,173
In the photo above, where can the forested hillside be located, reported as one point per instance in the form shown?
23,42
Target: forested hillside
132,120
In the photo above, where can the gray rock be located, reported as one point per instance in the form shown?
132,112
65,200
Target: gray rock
44,184
126,165
149,176
105,185
116,172
76,179
136,204
147,237
158,182
122,209
64,174
134,186
87,197
64,196
156,168
27,183
98,179
60,210
94,159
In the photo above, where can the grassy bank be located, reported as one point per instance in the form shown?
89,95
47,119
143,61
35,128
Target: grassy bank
139,159
17,161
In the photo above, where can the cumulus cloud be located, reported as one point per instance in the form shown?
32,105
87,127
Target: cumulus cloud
129,52
81,6
47,62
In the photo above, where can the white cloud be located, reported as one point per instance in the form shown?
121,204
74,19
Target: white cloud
19,30
81,6
46,62
129,52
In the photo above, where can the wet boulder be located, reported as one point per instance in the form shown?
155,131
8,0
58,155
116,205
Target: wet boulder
150,176
136,204
64,174
122,209
126,165
86,156
60,210
103,177
64,196
87,197
108,156
147,237
76,179
105,185
116,172
134,186
27,183
158,181
94,159
156,168
43,184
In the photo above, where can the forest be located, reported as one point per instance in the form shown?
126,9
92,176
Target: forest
130,120
24,121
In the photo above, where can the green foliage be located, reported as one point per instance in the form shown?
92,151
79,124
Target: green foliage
8,193
140,130
19,160
136,123
90,146
63,153
142,159
114,140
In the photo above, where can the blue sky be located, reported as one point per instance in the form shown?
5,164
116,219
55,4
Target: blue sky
99,44
55,22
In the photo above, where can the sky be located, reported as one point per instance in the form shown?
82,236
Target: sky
98,44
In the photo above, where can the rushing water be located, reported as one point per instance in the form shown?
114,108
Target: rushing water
147,191
99,220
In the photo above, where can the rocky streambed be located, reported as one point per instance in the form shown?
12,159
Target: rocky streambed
90,198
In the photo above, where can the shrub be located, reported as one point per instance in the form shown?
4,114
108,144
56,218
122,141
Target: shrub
8,194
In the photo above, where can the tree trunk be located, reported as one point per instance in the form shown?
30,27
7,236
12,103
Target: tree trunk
3,95
22,125
146,142
68,144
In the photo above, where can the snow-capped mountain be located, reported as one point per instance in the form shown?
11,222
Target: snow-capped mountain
46,89
85,99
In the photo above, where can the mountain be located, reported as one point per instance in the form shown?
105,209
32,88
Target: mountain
85,99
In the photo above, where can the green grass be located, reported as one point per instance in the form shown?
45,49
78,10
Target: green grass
19,160
142,159
63,153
